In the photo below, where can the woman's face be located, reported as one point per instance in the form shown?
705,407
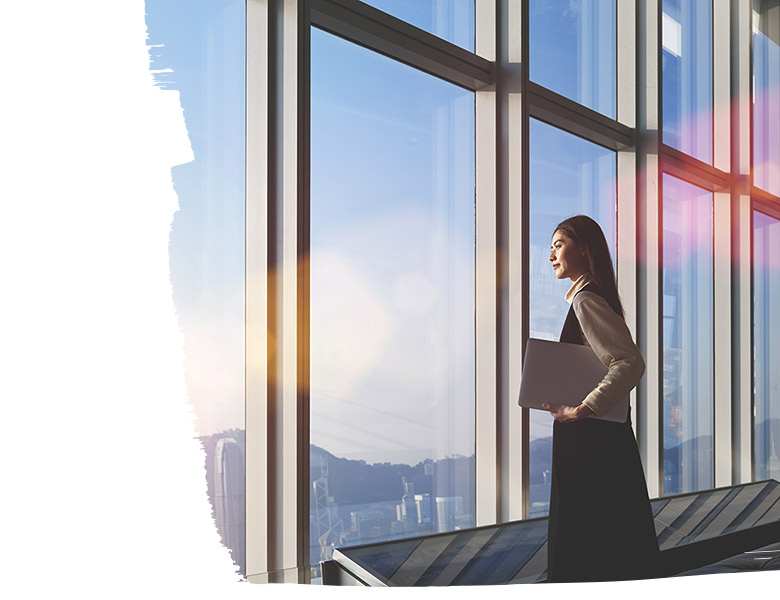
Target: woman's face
567,257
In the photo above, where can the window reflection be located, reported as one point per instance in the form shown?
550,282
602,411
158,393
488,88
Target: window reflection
568,176
572,46
687,337
687,76
766,349
766,95
392,300
452,20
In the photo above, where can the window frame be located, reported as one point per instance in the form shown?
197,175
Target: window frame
277,275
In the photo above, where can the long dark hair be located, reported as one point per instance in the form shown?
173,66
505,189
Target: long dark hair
587,234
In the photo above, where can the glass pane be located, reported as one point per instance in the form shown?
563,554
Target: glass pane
461,552
452,20
202,42
766,95
729,516
687,337
516,552
766,349
392,299
568,176
512,552
687,76
572,46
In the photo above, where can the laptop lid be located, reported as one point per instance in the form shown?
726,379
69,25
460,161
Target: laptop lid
561,373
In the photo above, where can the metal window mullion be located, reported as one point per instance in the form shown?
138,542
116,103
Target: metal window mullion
579,120
302,199
523,72
722,305
502,437
765,197
277,190
692,170
288,513
256,289
741,244
768,207
393,37
626,225
649,266
512,247
486,304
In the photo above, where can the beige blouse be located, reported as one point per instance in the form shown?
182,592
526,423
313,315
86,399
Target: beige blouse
607,334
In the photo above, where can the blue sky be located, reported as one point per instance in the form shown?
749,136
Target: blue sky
202,43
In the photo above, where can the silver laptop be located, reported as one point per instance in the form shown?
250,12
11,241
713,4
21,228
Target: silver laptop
561,373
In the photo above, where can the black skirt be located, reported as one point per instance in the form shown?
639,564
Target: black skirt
601,524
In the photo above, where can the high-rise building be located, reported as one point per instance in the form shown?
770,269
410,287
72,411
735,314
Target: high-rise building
408,507
448,512
229,498
423,504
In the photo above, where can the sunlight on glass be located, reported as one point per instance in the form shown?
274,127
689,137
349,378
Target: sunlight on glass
766,96
451,20
392,300
766,346
687,76
572,46
688,369
569,176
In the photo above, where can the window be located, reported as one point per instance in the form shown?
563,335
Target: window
766,346
451,20
687,76
569,176
766,96
417,293
392,300
687,337
572,47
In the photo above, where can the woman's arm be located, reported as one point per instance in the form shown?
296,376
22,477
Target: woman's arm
607,334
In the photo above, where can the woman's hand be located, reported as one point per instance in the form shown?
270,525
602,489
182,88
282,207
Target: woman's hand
563,413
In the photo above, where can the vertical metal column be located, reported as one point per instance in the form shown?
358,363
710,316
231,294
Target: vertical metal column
649,268
501,320
741,243
512,246
721,80
277,291
486,351
256,290
626,175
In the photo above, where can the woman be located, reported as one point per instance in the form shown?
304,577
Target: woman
601,524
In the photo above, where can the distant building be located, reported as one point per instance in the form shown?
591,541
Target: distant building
449,512
408,506
367,523
229,498
423,504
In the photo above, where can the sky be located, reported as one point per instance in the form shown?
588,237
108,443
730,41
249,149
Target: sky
198,47
392,247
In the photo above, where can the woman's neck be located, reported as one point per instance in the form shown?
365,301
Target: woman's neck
577,284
